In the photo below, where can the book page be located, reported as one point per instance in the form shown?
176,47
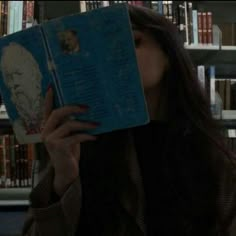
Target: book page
95,63
24,78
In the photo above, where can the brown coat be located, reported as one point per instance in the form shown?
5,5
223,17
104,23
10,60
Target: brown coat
61,218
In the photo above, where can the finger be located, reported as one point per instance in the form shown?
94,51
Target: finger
79,138
69,142
58,115
70,127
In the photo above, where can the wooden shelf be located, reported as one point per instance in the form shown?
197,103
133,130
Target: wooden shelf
210,47
229,124
202,47
14,194
229,115
10,203
228,48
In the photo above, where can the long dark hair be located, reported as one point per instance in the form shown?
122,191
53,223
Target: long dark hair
187,102
186,98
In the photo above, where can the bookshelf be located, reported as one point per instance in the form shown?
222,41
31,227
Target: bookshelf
14,196
220,55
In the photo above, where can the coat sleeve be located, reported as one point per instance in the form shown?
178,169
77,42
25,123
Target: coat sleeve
50,215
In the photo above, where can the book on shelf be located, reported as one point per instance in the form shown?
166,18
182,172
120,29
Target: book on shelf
4,17
91,5
231,139
220,91
15,16
88,58
228,33
28,14
15,163
226,89
195,27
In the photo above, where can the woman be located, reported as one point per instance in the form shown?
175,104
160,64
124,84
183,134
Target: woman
173,176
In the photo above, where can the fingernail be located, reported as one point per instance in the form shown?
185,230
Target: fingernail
49,87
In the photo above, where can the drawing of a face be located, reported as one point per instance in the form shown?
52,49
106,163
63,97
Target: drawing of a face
69,41
23,78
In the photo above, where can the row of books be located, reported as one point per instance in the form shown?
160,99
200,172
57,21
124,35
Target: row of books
228,30
221,91
196,27
90,5
15,163
163,7
15,16
231,143
226,88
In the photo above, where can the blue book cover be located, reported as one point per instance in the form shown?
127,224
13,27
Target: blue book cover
89,58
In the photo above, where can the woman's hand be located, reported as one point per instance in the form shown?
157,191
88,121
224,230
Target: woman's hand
62,142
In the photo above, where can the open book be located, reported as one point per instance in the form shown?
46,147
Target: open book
88,58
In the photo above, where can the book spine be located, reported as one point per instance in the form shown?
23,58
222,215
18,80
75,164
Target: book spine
195,27
2,182
204,29
234,145
201,75
175,15
165,9
186,22
182,27
222,94
30,157
18,16
212,84
190,22
200,28
234,33
17,159
51,67
83,6
147,4
4,162
170,11
30,14
5,17
228,95
233,95
10,17
8,165
160,7
138,3
24,20
209,28
13,168
155,6
88,5
105,3
21,149
94,4
2,17
25,165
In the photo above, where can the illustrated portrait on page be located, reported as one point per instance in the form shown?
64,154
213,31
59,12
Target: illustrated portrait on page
69,41
22,77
